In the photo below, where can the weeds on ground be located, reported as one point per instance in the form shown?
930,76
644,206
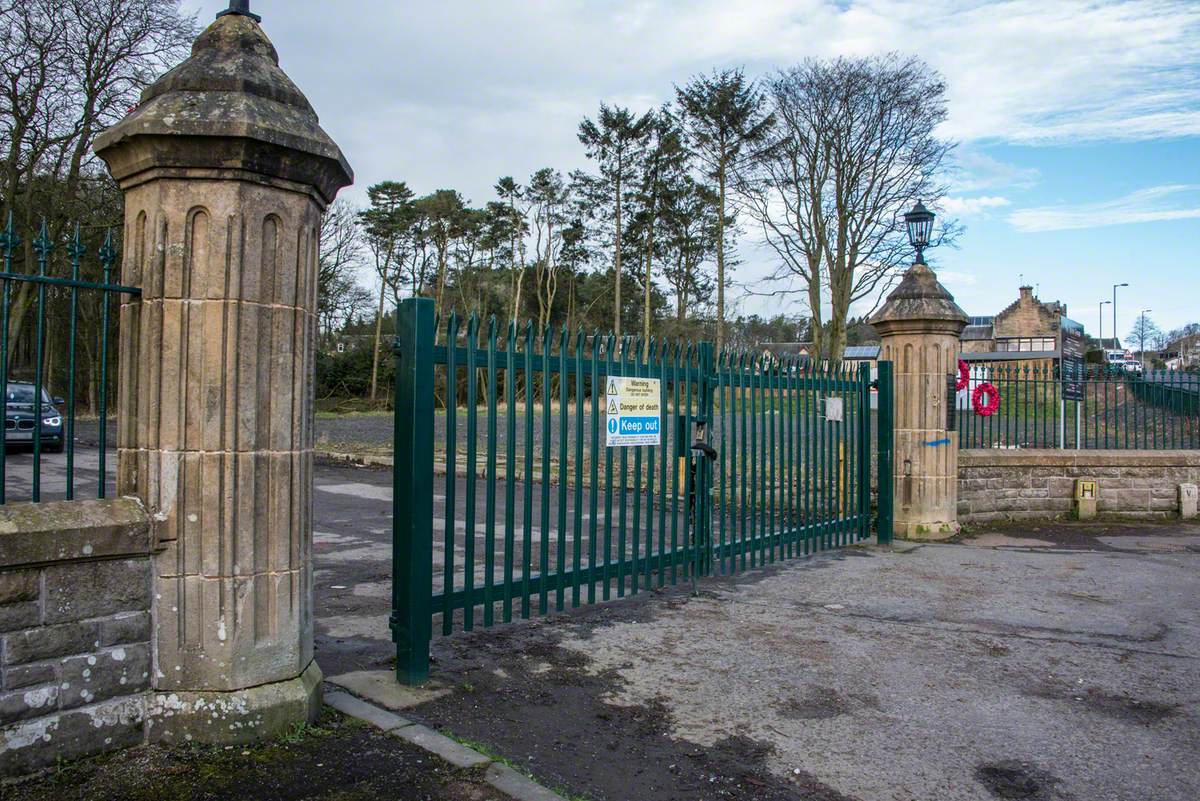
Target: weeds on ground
493,755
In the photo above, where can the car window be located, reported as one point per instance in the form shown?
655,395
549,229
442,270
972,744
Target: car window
23,393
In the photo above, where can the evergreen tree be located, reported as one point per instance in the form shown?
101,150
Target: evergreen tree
725,118
386,223
616,141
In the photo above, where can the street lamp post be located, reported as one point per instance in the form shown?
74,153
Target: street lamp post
1103,303
919,222
1114,302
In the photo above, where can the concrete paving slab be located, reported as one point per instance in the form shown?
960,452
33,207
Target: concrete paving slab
381,687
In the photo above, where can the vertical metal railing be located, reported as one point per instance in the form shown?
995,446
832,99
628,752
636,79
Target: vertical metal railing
886,472
412,529
758,461
1115,409
23,350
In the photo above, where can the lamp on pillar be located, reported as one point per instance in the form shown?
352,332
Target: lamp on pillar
241,8
919,222
919,328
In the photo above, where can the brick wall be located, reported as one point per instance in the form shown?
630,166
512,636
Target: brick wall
75,630
995,484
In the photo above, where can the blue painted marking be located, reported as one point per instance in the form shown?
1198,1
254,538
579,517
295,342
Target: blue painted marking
938,442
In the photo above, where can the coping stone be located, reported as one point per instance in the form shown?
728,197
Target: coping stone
58,531
453,752
356,708
518,785
503,778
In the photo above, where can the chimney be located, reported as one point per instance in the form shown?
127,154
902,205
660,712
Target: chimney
1026,293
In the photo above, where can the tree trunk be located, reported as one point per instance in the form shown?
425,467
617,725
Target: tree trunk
721,259
378,336
443,247
617,266
646,289
814,303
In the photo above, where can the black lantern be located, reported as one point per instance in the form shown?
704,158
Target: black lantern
920,227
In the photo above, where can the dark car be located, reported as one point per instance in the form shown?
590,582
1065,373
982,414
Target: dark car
20,423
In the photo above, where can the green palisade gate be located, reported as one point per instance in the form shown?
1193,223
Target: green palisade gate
562,520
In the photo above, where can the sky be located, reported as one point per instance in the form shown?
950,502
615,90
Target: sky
1076,122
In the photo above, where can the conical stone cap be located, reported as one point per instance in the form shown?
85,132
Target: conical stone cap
228,106
919,302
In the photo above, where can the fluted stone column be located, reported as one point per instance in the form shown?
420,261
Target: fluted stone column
919,328
226,173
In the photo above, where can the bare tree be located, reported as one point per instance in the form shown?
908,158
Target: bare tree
339,295
853,145
547,193
68,69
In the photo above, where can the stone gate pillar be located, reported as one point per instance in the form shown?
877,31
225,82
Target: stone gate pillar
919,326
226,173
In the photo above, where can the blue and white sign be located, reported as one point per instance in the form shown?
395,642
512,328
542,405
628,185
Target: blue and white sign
634,411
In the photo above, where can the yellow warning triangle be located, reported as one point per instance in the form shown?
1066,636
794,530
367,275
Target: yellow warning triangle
612,388
612,408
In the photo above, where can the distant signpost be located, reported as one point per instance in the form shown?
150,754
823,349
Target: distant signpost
1071,367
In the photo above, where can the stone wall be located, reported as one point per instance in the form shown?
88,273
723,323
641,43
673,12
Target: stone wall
1028,317
75,630
998,484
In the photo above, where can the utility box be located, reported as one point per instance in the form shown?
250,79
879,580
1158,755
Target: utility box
1187,501
1086,494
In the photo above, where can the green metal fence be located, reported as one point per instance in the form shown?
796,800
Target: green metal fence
508,503
1118,410
34,304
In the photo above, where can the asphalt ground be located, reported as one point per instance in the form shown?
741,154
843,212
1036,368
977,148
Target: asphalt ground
1040,662
1051,662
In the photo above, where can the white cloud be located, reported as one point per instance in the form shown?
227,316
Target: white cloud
501,85
1156,203
971,206
956,279
976,171
457,94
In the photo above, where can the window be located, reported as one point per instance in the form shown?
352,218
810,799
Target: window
23,393
1025,344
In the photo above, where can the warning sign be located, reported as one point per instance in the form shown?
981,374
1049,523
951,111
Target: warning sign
634,411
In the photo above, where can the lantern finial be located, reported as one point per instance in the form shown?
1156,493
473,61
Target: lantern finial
241,8
919,222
